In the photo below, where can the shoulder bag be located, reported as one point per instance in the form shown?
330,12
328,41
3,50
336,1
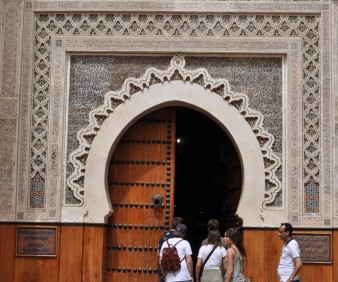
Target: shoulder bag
205,261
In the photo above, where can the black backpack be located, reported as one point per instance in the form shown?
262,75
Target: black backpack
170,260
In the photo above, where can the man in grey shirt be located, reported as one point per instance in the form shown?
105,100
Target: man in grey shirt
213,224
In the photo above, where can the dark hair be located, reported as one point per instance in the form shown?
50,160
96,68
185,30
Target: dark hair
287,228
213,224
236,238
214,237
176,221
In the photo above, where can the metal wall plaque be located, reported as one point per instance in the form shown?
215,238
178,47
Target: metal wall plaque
36,241
314,247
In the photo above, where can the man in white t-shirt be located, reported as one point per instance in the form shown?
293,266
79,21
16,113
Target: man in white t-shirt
185,273
290,262
169,234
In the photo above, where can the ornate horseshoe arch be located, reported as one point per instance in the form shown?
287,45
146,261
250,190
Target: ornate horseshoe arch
175,86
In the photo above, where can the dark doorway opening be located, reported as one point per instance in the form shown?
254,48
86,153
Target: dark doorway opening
208,179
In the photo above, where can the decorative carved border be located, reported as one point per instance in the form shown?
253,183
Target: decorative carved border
181,6
326,120
22,197
334,98
10,57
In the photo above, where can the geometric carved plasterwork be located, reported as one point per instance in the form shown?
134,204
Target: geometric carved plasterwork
7,160
11,18
24,122
168,25
291,47
92,76
10,36
7,167
176,71
335,103
8,108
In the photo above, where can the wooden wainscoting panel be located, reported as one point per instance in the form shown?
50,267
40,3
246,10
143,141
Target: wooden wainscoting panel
260,245
71,253
82,252
7,251
334,255
263,252
32,269
94,238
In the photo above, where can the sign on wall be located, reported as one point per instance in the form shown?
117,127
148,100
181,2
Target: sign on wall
36,241
314,247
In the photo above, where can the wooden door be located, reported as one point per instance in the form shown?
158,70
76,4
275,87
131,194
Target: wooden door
141,167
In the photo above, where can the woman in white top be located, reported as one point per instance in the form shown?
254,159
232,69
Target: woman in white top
212,268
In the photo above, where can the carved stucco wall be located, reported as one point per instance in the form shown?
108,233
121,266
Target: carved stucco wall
177,86
33,126
334,89
92,76
10,71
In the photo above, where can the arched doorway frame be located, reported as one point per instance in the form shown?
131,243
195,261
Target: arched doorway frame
175,93
175,86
